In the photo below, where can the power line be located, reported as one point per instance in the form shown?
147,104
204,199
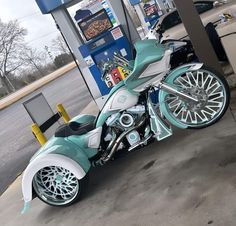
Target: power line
29,15
42,36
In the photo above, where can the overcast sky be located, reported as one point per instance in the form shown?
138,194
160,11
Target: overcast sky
41,28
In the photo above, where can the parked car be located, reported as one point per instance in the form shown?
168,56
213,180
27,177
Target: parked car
173,28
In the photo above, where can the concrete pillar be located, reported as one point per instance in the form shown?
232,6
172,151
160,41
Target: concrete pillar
141,17
72,36
69,30
121,14
197,33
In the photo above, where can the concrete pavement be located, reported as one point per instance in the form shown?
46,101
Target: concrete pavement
186,180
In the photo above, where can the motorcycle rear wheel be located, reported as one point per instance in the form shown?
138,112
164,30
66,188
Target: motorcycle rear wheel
205,84
57,186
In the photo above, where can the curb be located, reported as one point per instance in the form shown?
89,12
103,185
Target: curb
12,98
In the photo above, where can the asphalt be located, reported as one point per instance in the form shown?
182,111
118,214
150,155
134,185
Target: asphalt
186,180
16,140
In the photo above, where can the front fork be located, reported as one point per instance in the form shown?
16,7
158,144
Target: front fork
172,90
158,126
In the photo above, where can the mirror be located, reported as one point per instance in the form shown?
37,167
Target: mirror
216,3
160,29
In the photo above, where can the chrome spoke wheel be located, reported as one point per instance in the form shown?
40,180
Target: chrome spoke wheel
204,86
56,185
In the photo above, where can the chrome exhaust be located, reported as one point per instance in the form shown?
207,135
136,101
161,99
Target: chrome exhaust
120,138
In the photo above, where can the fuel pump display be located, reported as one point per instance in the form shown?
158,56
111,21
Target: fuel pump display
95,24
102,41
100,51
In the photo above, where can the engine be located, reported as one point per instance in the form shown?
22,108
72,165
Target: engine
125,123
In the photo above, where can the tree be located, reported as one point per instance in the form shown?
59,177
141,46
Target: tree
59,46
12,47
34,58
62,59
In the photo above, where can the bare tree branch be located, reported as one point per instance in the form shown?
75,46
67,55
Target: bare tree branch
12,47
59,46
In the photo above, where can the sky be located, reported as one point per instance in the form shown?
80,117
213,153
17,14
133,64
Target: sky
41,28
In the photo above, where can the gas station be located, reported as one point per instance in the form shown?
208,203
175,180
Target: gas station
139,189
98,30
149,12
94,43
94,32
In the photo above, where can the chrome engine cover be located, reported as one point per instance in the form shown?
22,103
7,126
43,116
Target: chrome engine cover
133,137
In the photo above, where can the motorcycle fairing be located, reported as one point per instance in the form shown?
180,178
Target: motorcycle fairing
148,52
121,99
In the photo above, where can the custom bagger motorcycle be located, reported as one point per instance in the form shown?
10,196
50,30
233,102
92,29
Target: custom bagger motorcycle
190,96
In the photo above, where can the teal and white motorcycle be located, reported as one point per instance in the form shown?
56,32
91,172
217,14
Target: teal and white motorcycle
191,96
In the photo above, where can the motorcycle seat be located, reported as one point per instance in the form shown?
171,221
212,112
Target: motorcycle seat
74,128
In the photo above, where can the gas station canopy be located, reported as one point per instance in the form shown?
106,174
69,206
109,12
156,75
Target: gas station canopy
48,6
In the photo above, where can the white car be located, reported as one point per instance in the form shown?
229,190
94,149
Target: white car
173,28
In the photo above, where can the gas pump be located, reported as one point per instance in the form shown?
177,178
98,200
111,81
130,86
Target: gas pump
102,38
149,11
95,30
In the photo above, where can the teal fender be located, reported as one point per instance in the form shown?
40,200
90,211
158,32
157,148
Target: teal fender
44,161
170,80
69,152
73,147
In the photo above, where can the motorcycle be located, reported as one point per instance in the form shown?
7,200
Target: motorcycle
190,96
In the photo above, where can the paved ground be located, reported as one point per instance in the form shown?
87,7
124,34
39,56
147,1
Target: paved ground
17,141
186,180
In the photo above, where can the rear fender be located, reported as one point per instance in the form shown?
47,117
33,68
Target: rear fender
44,161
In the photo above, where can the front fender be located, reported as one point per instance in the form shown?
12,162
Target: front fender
170,80
182,69
44,161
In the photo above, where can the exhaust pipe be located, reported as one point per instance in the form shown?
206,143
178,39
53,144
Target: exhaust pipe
120,138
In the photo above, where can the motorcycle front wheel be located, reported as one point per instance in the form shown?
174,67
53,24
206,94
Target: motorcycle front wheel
204,84
57,186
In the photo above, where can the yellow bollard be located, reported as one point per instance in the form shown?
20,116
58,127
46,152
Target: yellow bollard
61,110
38,134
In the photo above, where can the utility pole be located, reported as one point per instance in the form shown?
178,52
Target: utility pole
50,55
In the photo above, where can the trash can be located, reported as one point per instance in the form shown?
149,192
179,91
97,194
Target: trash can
227,34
